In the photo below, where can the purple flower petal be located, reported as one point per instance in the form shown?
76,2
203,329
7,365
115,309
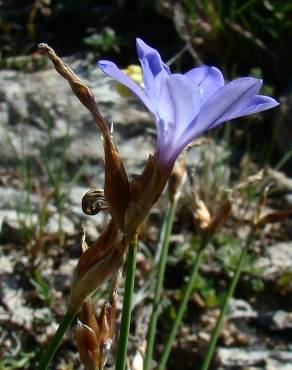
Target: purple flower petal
226,103
153,68
257,104
179,102
111,70
151,58
208,79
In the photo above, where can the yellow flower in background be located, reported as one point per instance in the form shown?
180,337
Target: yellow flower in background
135,72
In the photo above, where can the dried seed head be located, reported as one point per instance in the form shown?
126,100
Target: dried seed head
87,344
176,179
202,216
220,217
258,212
249,180
93,202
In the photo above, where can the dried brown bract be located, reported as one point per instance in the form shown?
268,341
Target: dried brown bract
94,335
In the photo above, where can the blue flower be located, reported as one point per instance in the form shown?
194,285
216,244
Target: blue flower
184,106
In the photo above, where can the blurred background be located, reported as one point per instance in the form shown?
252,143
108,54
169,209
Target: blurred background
240,37
51,155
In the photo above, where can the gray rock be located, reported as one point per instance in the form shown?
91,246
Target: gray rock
16,311
282,182
52,226
14,223
277,259
11,198
29,102
275,321
240,309
230,358
282,320
6,264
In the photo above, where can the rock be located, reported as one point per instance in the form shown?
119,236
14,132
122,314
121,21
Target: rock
277,259
13,199
282,320
275,321
6,265
240,309
29,103
52,226
230,358
282,181
14,224
63,276
16,310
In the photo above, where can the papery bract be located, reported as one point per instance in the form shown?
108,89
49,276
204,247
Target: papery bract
186,105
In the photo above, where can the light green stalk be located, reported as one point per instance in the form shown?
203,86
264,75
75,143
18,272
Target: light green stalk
127,306
159,283
182,307
212,344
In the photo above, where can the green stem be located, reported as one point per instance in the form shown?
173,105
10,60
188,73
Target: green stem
55,342
159,284
229,295
127,306
182,308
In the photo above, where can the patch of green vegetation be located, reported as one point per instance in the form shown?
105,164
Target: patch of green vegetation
103,42
21,361
42,287
24,63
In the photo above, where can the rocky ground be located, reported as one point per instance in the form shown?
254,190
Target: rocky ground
45,130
